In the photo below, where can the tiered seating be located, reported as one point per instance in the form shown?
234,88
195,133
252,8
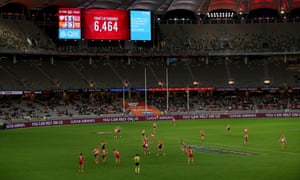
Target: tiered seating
23,35
81,105
80,74
11,36
233,37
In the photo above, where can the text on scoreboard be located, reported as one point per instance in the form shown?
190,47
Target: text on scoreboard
105,24
140,25
69,23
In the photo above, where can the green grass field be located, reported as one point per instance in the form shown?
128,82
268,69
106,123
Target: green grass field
51,153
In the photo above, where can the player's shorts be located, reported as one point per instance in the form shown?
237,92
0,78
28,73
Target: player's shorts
103,156
137,164
96,155
80,162
160,146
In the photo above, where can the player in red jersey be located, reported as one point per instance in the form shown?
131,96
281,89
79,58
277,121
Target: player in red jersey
146,145
202,133
183,146
117,156
174,121
190,155
152,137
81,162
246,136
117,131
282,141
96,152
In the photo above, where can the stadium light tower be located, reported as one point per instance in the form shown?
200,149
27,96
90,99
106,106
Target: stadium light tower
267,82
195,82
160,83
231,82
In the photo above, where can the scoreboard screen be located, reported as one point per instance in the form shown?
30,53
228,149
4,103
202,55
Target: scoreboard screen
69,23
140,25
102,24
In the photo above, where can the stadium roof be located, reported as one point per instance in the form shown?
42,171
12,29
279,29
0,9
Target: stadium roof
163,6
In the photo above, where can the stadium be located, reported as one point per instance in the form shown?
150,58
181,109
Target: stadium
72,71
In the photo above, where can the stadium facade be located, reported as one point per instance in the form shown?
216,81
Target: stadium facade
197,49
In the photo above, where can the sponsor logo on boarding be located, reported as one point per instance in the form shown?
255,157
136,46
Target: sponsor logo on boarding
82,121
147,113
165,117
17,125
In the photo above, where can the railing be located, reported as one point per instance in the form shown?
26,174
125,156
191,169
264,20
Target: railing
192,114
149,118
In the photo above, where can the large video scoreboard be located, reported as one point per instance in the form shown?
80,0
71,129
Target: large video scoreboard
69,23
140,25
104,24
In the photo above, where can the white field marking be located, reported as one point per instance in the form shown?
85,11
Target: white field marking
100,132
238,147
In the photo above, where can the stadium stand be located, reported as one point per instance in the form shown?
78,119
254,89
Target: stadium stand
75,105
23,35
253,46
234,37
80,74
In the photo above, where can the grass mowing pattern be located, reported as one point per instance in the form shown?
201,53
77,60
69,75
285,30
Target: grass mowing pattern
217,150
51,153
